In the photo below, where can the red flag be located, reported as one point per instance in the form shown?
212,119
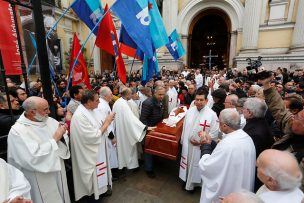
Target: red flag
80,73
107,40
8,40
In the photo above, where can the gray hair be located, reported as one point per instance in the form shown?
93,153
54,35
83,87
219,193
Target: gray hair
159,83
234,99
256,106
104,91
285,181
133,90
231,118
29,104
255,88
125,91
241,102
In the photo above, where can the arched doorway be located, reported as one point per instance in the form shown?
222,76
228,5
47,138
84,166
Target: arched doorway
209,36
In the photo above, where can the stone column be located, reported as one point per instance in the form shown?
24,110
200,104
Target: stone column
185,41
290,10
232,52
298,32
96,56
251,23
170,11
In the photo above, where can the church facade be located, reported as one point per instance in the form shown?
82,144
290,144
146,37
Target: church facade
273,30
222,33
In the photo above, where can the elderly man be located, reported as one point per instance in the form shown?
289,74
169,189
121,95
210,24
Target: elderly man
281,175
105,94
199,119
231,101
91,173
128,131
231,166
35,147
14,187
253,90
257,127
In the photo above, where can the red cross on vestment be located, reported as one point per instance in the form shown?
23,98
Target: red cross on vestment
205,125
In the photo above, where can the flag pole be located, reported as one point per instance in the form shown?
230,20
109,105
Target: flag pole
132,67
57,21
31,64
113,71
85,42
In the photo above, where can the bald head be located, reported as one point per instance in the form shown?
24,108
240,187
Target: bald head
32,103
278,170
36,109
126,93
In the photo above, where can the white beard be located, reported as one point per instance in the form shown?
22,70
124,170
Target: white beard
40,118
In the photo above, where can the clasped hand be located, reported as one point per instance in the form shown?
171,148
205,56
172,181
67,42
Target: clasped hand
205,138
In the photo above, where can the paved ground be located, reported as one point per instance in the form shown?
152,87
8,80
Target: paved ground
165,188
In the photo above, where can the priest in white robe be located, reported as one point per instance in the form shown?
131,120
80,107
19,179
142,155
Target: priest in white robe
173,95
133,102
105,94
90,162
13,184
231,166
280,173
129,130
35,148
199,119
198,78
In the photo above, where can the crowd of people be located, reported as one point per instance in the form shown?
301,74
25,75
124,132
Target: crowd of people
242,137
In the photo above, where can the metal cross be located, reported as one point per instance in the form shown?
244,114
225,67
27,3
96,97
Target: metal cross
210,57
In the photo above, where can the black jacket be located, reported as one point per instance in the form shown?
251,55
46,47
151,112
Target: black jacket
151,111
6,122
217,108
260,132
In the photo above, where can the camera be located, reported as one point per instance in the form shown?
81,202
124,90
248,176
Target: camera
263,75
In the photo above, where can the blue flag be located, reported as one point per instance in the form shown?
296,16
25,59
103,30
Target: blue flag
89,11
150,67
136,22
128,46
157,27
175,46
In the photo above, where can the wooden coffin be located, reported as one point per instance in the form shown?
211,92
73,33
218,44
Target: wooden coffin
164,140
